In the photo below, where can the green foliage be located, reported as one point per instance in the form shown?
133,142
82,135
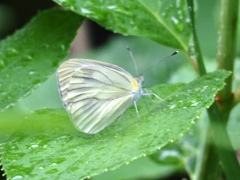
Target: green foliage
64,149
173,132
33,53
166,22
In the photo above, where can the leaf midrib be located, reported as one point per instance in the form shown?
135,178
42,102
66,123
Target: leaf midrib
161,22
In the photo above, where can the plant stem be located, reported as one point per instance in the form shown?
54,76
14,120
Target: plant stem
227,50
195,43
226,153
205,160
217,130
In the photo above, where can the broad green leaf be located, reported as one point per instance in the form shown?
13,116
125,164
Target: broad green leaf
46,143
166,22
29,56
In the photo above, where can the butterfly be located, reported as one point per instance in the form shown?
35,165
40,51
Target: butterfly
96,93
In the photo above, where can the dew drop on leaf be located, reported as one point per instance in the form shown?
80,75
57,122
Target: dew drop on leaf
17,177
106,169
111,7
85,11
175,20
194,104
8,106
34,146
11,52
188,20
172,106
31,73
62,1
53,164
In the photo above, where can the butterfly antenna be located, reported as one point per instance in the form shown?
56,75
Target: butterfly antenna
135,64
156,62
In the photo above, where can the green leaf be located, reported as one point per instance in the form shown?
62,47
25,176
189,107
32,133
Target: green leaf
46,143
166,22
29,56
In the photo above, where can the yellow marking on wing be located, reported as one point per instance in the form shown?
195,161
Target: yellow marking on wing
135,84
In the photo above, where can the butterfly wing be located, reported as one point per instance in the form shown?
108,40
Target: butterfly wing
95,93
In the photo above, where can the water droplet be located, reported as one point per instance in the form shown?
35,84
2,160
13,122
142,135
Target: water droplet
62,1
85,11
112,7
204,88
63,137
172,106
194,104
144,155
8,106
17,177
175,20
31,73
11,52
165,154
187,20
28,57
106,169
34,146
27,94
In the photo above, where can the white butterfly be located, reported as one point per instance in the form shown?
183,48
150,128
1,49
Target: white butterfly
96,93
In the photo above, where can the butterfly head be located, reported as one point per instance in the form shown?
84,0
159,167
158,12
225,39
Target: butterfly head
139,79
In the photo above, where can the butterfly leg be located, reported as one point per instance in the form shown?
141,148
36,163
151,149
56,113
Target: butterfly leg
147,93
135,105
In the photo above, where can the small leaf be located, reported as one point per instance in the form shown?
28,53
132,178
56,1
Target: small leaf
46,143
166,22
29,56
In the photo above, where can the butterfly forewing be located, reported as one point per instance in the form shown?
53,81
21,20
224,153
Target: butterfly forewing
95,93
